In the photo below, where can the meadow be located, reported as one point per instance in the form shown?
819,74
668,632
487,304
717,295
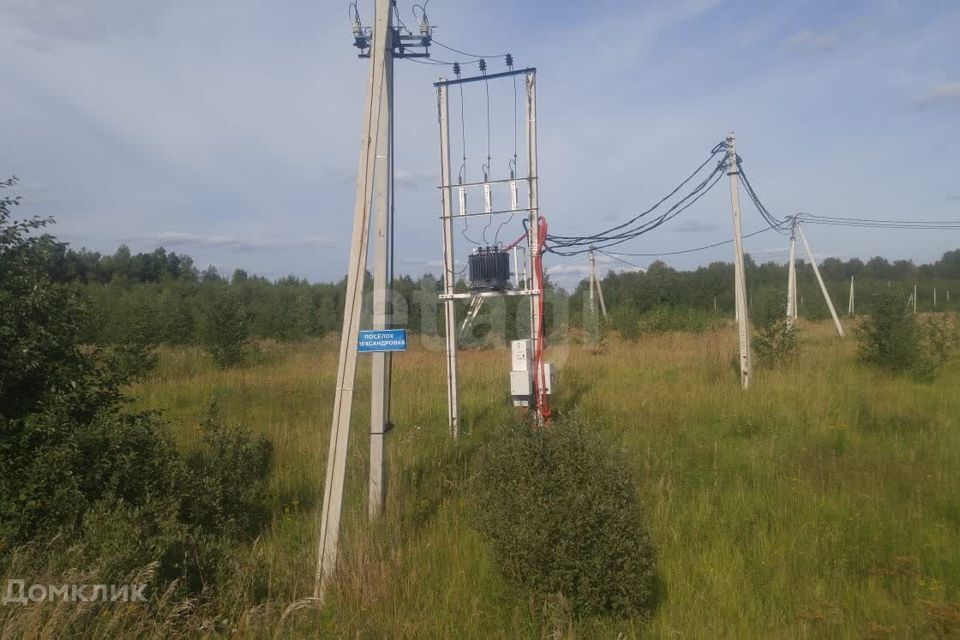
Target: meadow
823,502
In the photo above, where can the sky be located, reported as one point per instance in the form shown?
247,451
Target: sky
229,130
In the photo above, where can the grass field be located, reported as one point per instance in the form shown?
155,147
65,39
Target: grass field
825,502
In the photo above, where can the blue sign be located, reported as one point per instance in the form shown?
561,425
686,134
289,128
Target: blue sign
384,340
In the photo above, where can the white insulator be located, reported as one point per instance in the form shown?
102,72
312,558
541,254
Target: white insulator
514,205
463,201
487,197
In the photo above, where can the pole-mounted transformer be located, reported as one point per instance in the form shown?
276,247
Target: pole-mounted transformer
489,269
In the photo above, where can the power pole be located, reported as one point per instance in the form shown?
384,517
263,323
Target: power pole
792,277
449,275
593,306
603,305
850,305
374,192
533,237
595,282
823,287
740,278
914,297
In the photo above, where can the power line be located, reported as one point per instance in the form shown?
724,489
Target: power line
941,225
583,244
465,53
606,234
692,250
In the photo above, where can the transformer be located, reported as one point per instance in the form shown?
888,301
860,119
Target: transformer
489,269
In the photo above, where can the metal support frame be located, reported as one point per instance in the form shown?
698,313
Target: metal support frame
740,276
530,289
823,287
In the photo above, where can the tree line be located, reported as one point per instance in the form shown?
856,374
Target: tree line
162,297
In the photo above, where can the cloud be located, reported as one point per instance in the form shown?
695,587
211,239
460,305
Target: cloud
407,179
694,226
827,40
818,42
47,22
945,95
185,239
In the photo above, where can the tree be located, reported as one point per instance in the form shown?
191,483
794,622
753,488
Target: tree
225,326
81,474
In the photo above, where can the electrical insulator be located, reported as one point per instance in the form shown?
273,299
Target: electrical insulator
509,61
463,201
456,69
487,197
514,203
483,65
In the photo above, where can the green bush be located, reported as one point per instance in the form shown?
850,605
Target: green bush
79,469
625,321
775,340
893,339
563,516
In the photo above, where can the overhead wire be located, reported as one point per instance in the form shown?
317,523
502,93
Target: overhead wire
941,225
574,245
571,246
693,249
465,53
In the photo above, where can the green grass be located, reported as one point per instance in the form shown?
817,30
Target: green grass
824,502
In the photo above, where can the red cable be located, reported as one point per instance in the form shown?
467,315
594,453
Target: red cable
543,404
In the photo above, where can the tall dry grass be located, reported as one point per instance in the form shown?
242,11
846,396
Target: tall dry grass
825,502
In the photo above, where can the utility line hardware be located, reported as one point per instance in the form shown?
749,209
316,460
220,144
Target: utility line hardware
489,264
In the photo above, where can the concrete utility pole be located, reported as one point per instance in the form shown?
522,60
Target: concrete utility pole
792,278
914,297
850,306
740,277
595,281
533,234
593,304
374,192
823,287
376,116
382,284
449,275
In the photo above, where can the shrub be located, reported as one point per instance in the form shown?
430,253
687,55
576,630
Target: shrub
891,338
775,340
625,321
563,516
79,469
